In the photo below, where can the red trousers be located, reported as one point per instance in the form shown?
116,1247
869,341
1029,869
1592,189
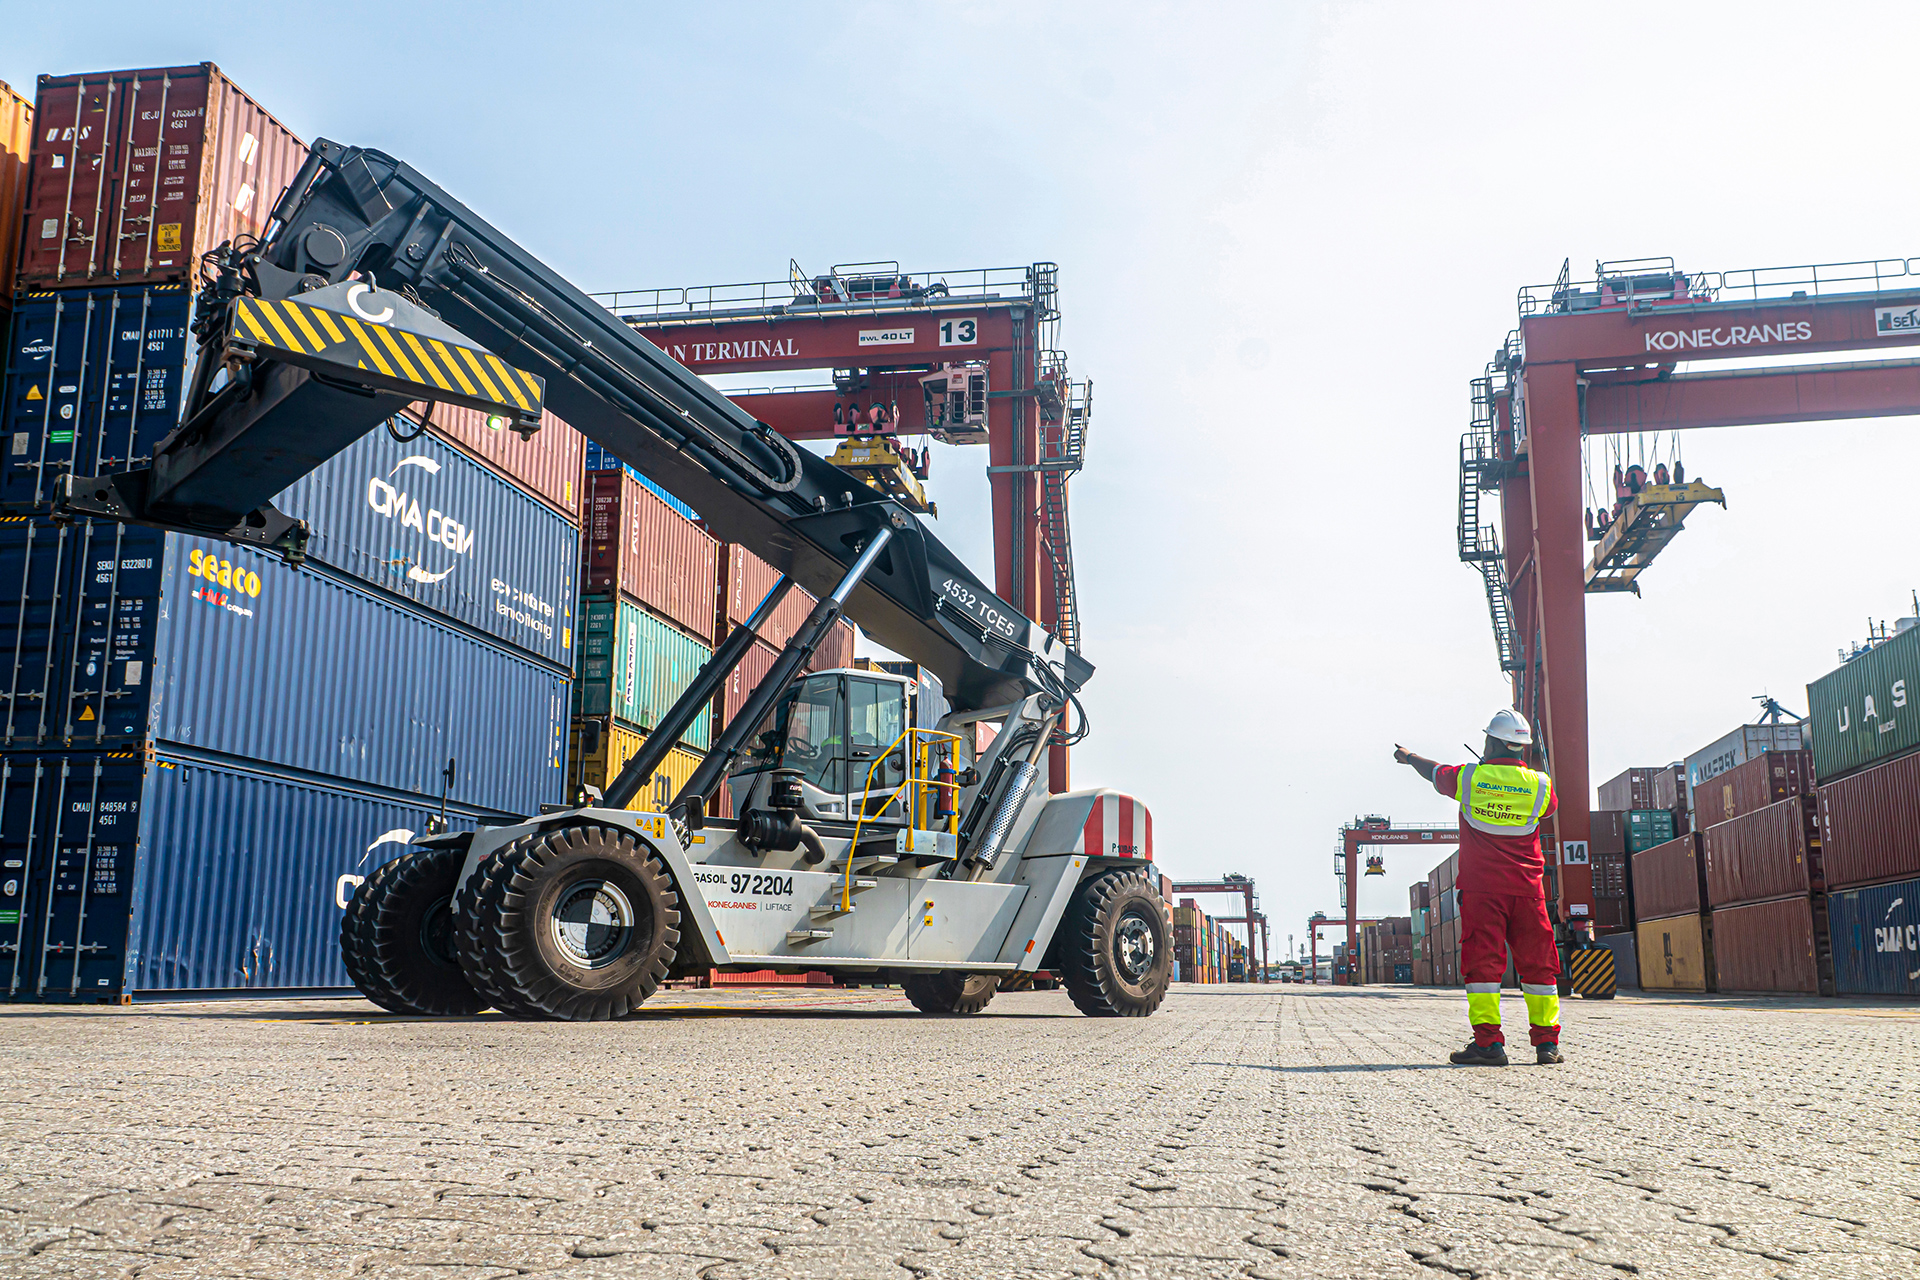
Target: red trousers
1490,923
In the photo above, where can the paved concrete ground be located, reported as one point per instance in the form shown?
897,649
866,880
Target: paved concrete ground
1274,1131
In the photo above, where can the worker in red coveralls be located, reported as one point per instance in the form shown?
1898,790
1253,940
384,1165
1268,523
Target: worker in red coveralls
1502,887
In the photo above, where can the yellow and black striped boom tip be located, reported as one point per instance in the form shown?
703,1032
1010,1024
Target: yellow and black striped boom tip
379,338
1590,971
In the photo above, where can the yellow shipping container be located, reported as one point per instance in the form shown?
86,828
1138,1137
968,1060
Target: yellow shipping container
1187,917
1676,954
619,744
16,128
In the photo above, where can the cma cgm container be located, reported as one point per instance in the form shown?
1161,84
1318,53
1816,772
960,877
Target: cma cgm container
1764,779
599,459
1669,878
1870,824
1876,939
1864,712
1675,954
167,872
1778,946
633,666
200,643
1735,748
547,465
1770,853
602,747
429,523
93,382
634,544
16,127
135,174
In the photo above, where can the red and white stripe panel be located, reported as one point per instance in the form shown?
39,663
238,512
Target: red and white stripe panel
1118,827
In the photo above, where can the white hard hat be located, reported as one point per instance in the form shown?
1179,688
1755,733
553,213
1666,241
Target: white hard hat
1510,726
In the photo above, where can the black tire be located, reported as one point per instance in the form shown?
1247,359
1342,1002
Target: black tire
582,923
402,936
950,991
1115,948
480,959
356,940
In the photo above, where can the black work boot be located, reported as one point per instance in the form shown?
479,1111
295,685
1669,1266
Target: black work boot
1547,1053
1480,1055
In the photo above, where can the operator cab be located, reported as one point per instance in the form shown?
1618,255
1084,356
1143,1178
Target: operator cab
843,731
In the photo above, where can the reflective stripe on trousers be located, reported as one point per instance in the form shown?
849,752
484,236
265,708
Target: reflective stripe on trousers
1543,1003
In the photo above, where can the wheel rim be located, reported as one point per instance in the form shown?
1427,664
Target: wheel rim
593,923
436,932
1135,947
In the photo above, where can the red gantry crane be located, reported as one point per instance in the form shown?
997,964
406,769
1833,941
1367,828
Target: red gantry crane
1239,886
1602,357
966,357
1364,832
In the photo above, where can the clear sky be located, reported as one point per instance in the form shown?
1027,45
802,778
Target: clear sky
1288,235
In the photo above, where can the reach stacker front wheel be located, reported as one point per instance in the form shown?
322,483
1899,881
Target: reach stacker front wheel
950,991
578,924
397,937
1115,952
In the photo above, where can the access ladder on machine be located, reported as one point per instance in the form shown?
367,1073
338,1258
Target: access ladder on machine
1482,468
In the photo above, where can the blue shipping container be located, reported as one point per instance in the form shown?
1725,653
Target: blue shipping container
425,521
599,459
171,873
197,642
93,382
1876,939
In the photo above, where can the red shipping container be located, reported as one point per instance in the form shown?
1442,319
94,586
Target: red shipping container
1770,853
1632,789
1610,915
1870,825
1773,946
744,679
16,138
1609,875
1417,896
634,543
1670,788
1767,778
548,466
135,174
1669,879
1607,831
745,580
835,650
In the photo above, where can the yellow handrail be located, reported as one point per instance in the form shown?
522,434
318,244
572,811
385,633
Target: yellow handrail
846,888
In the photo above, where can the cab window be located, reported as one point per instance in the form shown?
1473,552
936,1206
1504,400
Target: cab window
875,718
803,733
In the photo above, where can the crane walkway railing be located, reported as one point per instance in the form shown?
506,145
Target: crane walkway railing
847,288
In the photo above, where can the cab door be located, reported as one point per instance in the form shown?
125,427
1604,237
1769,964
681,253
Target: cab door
876,716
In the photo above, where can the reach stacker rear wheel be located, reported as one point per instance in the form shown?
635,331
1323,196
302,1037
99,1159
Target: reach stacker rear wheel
1115,952
950,991
397,937
578,924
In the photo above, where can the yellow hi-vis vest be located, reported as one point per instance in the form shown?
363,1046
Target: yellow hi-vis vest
1503,799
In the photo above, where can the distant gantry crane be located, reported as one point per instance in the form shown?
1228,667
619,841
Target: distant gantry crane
963,357
1362,833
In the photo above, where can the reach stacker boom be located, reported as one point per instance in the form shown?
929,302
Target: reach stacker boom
891,827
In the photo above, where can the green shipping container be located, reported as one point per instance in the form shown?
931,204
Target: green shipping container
633,666
1861,714
1647,828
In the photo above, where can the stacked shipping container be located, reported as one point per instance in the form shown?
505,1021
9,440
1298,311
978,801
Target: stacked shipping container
205,748
1865,743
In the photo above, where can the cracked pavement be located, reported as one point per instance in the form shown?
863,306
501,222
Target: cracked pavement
752,1135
